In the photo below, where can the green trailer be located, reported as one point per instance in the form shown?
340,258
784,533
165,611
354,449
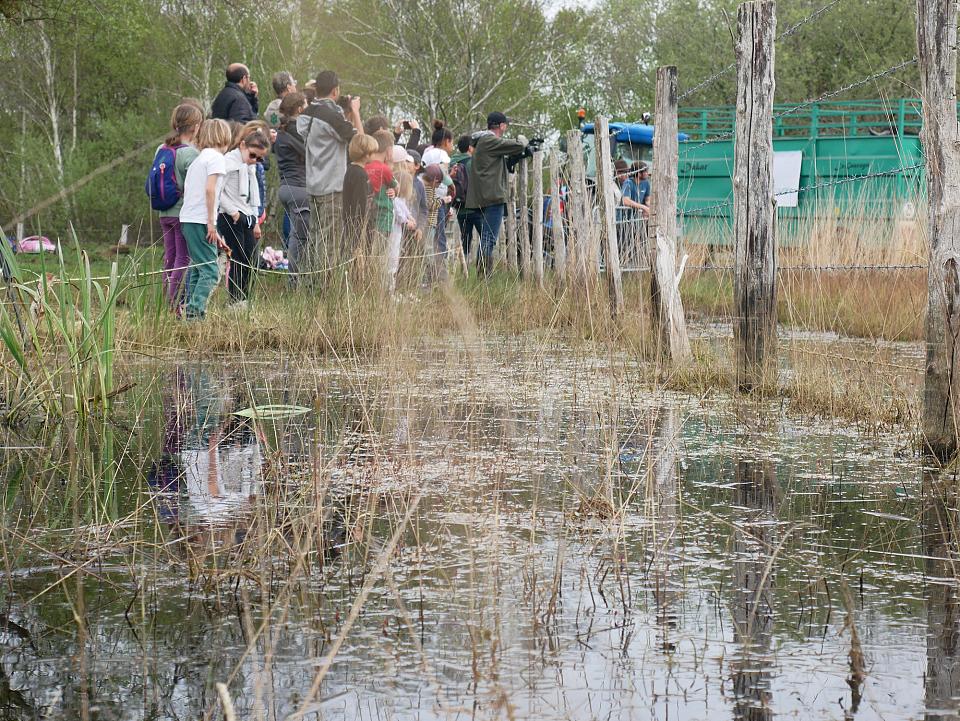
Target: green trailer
855,158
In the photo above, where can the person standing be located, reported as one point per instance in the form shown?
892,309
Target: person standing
291,164
283,84
467,220
487,187
198,215
327,132
184,124
239,203
237,101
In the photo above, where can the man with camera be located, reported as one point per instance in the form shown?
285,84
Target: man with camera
238,100
493,157
327,126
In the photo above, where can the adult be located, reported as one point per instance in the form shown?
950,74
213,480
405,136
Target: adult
238,100
487,187
291,164
326,133
631,232
467,220
283,84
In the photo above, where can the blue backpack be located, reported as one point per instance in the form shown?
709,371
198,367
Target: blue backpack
161,183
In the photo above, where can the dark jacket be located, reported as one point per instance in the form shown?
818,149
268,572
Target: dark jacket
488,183
232,103
291,157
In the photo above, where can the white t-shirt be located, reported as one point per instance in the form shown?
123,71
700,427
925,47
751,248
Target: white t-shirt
435,156
209,162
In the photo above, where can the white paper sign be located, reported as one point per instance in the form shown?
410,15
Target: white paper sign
786,177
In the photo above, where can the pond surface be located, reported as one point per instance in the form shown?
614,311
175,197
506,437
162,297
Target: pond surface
508,530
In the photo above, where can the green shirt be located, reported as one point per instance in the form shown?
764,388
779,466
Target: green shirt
185,156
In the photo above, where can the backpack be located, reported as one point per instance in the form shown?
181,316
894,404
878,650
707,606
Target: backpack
460,175
161,183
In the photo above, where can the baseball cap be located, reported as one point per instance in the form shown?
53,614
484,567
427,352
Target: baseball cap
415,157
496,118
400,155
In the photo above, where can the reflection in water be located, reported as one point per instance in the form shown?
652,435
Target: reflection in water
501,602
755,489
943,606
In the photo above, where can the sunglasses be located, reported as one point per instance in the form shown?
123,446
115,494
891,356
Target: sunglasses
256,156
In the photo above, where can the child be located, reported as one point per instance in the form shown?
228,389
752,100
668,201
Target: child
184,123
198,216
381,184
239,207
356,190
403,220
436,206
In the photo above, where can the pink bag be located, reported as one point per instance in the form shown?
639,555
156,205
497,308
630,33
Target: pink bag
37,244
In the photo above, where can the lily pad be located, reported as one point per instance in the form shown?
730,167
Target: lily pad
271,412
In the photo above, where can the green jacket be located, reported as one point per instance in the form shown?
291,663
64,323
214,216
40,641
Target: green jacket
488,171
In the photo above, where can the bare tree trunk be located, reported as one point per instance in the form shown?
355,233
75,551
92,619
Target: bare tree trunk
538,218
76,102
666,307
511,226
605,181
937,51
578,244
53,103
556,219
523,222
755,324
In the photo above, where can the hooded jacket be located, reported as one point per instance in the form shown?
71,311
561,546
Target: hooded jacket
233,103
488,171
326,134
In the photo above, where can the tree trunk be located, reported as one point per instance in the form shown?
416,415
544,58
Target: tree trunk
936,49
666,306
511,226
755,324
605,181
538,217
556,218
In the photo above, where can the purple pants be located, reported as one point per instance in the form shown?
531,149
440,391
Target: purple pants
176,258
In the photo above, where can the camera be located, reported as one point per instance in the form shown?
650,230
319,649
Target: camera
406,125
344,101
534,145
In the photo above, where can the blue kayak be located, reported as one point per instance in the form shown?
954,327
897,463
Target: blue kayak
632,133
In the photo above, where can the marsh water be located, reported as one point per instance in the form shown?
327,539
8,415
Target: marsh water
504,529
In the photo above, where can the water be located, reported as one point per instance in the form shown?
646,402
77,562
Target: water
741,554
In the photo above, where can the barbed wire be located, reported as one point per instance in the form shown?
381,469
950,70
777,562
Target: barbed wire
815,186
847,88
808,268
792,30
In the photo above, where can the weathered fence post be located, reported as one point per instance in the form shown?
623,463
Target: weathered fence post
755,322
578,252
510,227
937,52
666,306
556,218
124,235
523,222
608,203
538,217
19,235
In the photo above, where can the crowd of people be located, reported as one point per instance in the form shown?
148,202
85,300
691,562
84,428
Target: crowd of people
350,188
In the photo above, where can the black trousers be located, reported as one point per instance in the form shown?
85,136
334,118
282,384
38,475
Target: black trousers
243,253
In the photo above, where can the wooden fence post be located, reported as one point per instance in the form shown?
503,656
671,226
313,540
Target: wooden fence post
666,307
937,53
124,235
556,218
511,225
755,324
19,235
608,203
578,255
523,221
538,217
